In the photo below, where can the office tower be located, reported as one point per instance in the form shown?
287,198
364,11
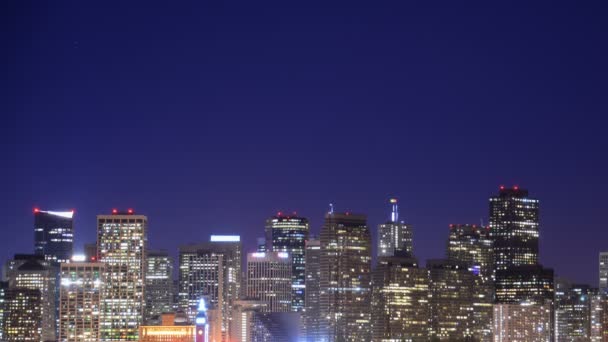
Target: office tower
262,245
171,329
596,315
524,284
345,277
54,234
121,245
604,272
3,288
450,300
253,323
394,234
312,313
471,245
159,284
400,299
269,280
80,301
514,228
34,272
289,234
22,320
572,312
90,252
522,322
200,275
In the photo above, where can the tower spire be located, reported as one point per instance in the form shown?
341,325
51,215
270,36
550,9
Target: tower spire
395,211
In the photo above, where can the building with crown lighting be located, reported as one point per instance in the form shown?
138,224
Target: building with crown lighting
345,277
312,315
394,234
122,246
400,299
285,233
472,246
159,284
54,235
80,301
522,322
34,272
269,280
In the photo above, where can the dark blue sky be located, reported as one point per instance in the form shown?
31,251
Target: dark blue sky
210,117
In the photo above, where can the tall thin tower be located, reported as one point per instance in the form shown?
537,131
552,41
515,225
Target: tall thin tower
394,234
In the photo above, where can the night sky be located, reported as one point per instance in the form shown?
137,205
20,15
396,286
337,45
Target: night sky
213,115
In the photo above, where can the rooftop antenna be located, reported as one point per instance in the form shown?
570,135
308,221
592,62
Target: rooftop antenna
331,208
395,212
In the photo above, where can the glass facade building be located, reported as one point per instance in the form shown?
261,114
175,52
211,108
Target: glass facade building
54,234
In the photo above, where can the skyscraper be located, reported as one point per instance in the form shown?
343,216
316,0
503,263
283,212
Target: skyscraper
22,319
269,280
199,265
522,322
35,273
400,299
572,312
288,234
345,278
159,284
471,245
312,314
121,245
80,301
394,234
604,272
3,288
524,284
450,300
514,228
54,234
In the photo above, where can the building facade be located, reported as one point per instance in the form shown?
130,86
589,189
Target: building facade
345,278
312,314
288,234
159,284
572,312
603,270
394,234
122,246
517,323
524,284
54,235
80,301
400,299
269,280
22,319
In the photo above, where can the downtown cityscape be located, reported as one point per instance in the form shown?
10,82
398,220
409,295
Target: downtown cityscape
303,171
488,285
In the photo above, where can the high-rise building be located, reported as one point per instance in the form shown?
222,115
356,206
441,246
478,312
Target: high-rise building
80,301
34,272
604,272
226,247
22,319
159,284
394,234
524,284
121,245
596,300
522,322
345,278
253,323
54,234
312,314
3,288
514,227
285,233
450,300
269,280
400,299
471,245
572,311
